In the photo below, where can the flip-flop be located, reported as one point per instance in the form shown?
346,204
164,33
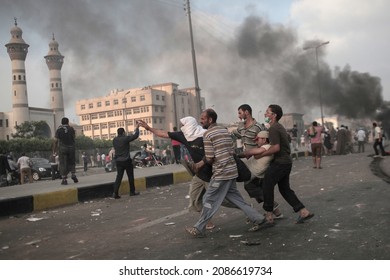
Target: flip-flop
301,220
261,226
194,232
210,227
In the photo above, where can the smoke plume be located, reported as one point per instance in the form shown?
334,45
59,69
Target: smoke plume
125,44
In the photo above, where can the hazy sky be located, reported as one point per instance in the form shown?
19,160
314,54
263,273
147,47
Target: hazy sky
247,51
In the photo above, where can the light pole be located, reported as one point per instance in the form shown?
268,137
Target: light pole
125,110
318,75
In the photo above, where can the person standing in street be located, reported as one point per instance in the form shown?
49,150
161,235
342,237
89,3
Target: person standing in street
24,164
123,161
64,142
378,140
361,138
279,170
316,144
218,147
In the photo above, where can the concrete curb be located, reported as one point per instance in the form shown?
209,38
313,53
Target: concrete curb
39,202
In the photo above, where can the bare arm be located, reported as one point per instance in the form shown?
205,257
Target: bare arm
158,132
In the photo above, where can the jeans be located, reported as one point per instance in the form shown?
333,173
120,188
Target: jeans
121,167
215,194
279,174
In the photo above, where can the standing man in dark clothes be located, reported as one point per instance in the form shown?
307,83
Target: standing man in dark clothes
65,143
121,145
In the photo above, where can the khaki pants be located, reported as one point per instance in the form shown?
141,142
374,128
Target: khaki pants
197,189
25,172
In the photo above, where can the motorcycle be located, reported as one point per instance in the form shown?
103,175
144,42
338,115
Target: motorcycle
150,160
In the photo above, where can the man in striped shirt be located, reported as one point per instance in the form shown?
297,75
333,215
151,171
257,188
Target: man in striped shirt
218,147
248,129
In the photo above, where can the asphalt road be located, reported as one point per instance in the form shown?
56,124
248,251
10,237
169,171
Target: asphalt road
351,206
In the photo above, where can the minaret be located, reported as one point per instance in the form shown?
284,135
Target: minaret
17,50
54,61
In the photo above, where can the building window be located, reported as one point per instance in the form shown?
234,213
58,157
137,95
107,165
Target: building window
163,98
14,77
116,102
112,125
136,110
15,93
52,85
124,100
19,77
142,97
107,103
1,123
102,115
157,97
90,105
128,112
130,122
6,123
156,109
82,107
110,114
94,116
99,104
162,109
103,125
95,127
133,99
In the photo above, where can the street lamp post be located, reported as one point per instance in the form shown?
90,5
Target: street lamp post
125,111
318,75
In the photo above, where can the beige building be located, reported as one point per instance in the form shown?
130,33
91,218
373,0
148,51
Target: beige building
161,106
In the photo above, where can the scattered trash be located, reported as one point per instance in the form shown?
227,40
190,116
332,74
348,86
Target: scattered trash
97,212
187,196
250,243
4,247
33,219
322,189
169,224
34,242
235,236
146,248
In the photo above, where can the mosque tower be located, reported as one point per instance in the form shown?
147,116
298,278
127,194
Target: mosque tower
17,50
54,61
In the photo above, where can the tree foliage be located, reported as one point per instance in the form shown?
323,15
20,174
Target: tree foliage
33,129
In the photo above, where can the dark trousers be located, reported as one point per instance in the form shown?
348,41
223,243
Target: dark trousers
376,144
176,152
121,167
279,174
67,157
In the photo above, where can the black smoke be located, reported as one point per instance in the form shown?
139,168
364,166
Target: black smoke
128,44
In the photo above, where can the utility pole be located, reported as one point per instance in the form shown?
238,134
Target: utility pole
197,89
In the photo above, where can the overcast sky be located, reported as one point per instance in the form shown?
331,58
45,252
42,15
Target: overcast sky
247,51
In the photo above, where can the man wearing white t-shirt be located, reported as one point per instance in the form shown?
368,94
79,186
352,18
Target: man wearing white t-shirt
378,140
24,163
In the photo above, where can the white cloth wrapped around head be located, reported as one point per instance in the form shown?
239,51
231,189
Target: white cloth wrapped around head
191,129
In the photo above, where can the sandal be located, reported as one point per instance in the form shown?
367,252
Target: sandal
210,226
262,225
194,232
301,219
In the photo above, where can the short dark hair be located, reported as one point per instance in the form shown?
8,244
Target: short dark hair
246,107
314,123
374,124
121,131
210,113
276,109
174,128
65,120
